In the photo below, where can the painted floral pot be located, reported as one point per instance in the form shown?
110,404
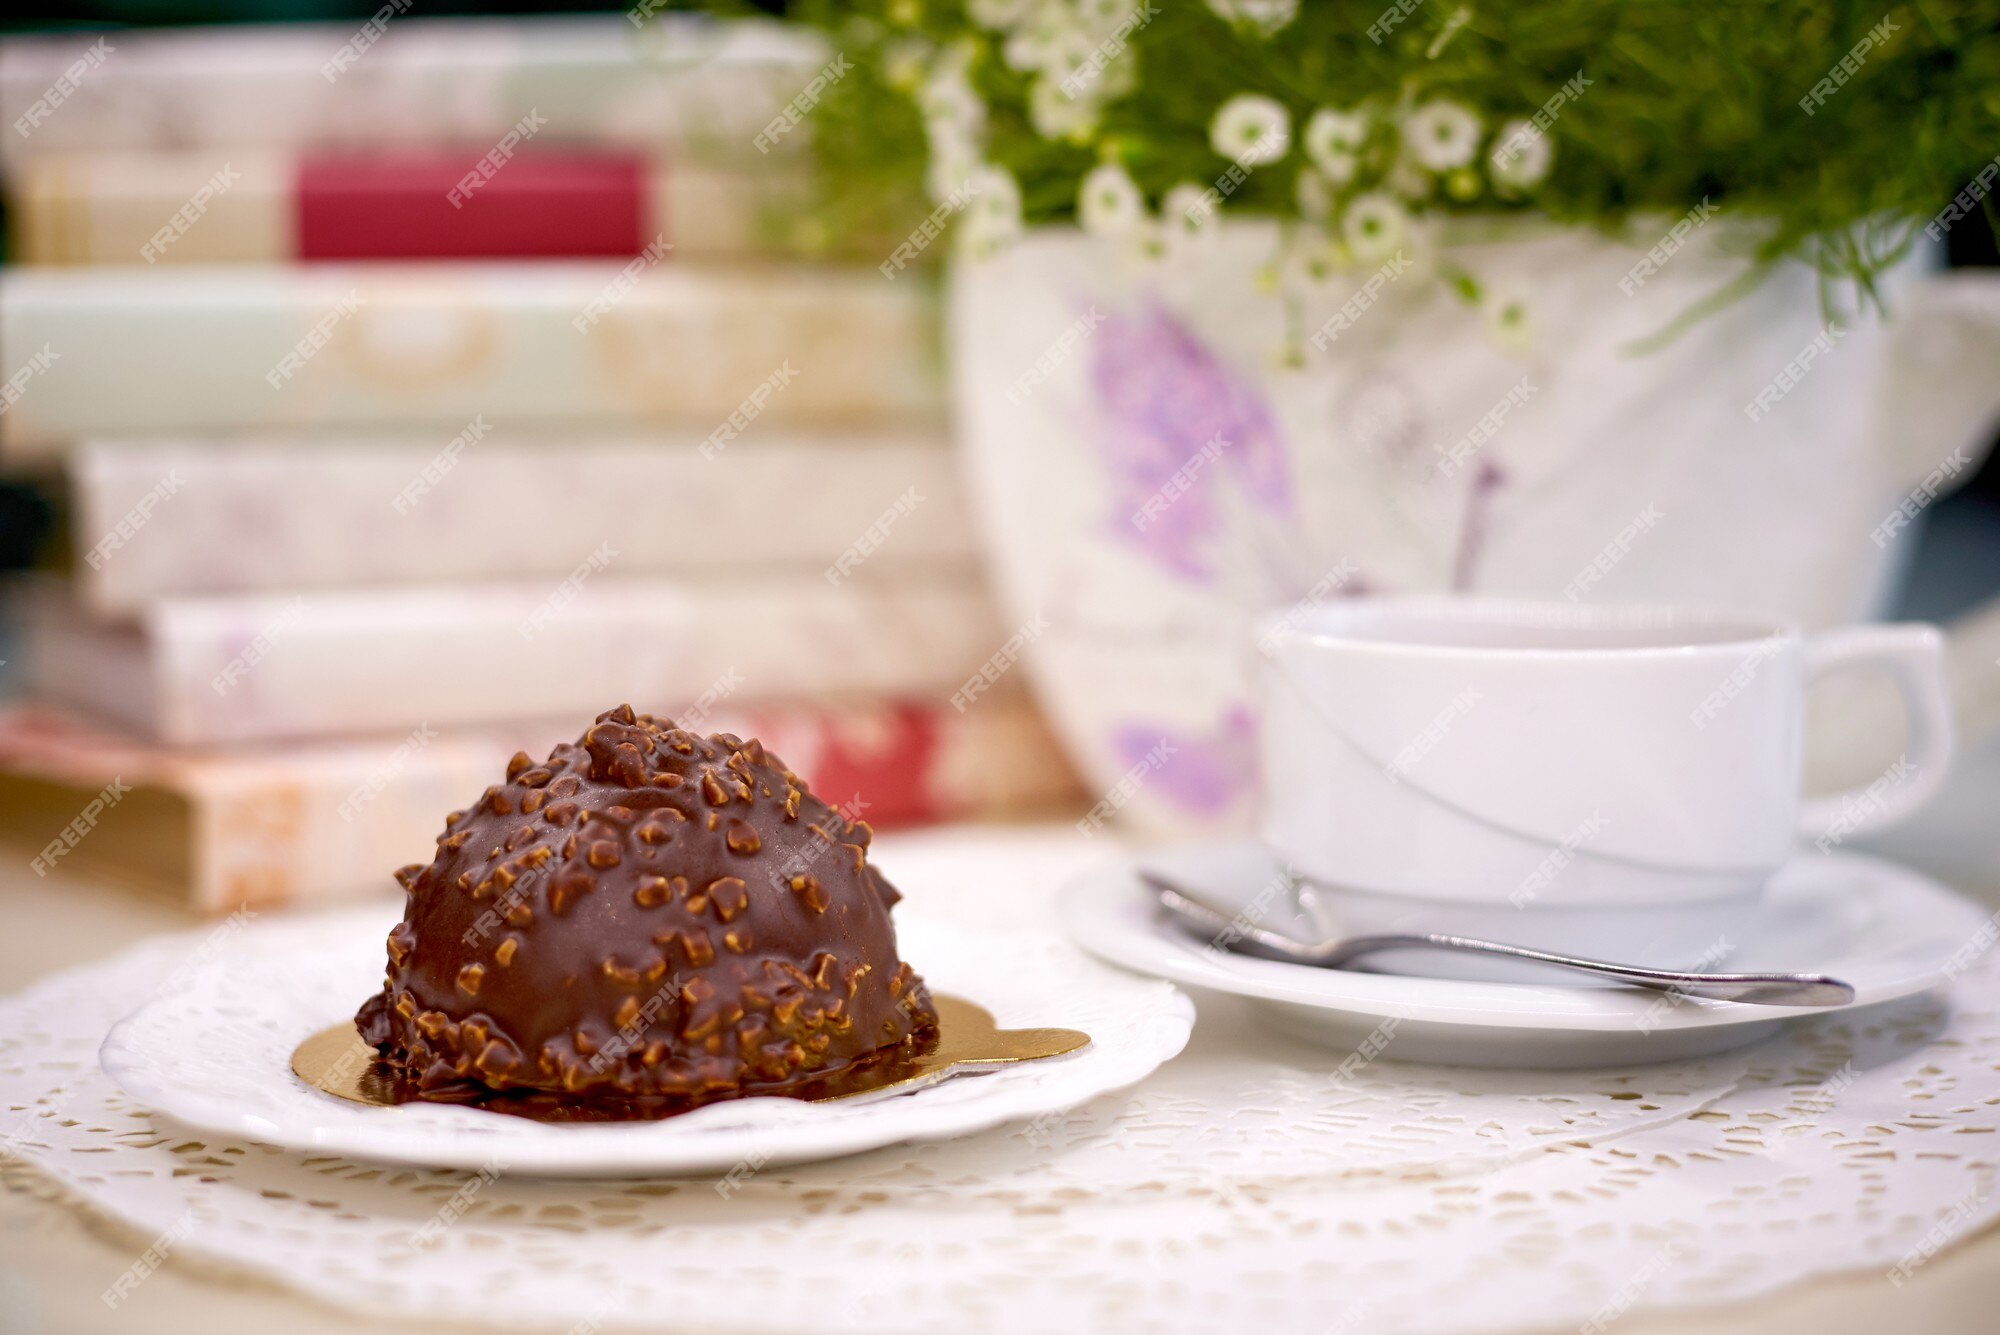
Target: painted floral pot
1165,450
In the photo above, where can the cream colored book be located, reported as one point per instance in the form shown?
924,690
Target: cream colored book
155,517
257,667
726,353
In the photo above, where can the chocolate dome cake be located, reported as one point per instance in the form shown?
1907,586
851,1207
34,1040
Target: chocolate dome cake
646,915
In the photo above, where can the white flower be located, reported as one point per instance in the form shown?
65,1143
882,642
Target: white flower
1315,196
993,214
903,63
1441,135
1084,70
1521,157
1508,319
1374,225
1407,179
1266,16
998,14
954,156
1145,241
1067,58
1117,78
947,173
1313,260
1103,16
1057,115
1027,47
948,103
1251,130
1034,41
1338,168
995,192
1333,139
954,125
1109,202
1190,210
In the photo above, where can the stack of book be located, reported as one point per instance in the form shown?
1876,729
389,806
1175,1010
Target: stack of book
413,393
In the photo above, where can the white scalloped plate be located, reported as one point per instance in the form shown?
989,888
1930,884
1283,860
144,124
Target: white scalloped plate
1886,929
216,1055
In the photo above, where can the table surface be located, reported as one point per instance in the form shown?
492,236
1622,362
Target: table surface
56,1258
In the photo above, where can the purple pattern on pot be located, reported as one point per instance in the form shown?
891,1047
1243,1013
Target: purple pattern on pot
1162,397
1202,773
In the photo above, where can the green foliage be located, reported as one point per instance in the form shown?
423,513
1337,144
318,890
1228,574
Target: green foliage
1685,101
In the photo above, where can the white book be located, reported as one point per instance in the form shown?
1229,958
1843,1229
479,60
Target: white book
664,82
159,517
254,667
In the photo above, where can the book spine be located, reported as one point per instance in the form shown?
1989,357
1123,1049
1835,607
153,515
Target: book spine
157,518
506,203
241,669
556,346
318,823
691,88
520,201
894,763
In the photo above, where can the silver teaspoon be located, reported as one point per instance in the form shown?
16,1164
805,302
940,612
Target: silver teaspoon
1245,938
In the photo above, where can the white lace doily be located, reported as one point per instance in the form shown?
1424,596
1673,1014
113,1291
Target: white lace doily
1247,1183
215,1049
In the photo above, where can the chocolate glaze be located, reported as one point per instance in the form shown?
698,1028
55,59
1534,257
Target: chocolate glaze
885,1066
650,916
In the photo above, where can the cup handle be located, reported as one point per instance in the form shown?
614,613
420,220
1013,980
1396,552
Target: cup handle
1913,655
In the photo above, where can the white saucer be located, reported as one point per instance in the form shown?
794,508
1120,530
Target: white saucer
1881,927
215,1053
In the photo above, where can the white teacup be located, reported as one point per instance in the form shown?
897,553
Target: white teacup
1613,781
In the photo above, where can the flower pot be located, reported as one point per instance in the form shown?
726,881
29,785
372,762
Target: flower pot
1164,450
